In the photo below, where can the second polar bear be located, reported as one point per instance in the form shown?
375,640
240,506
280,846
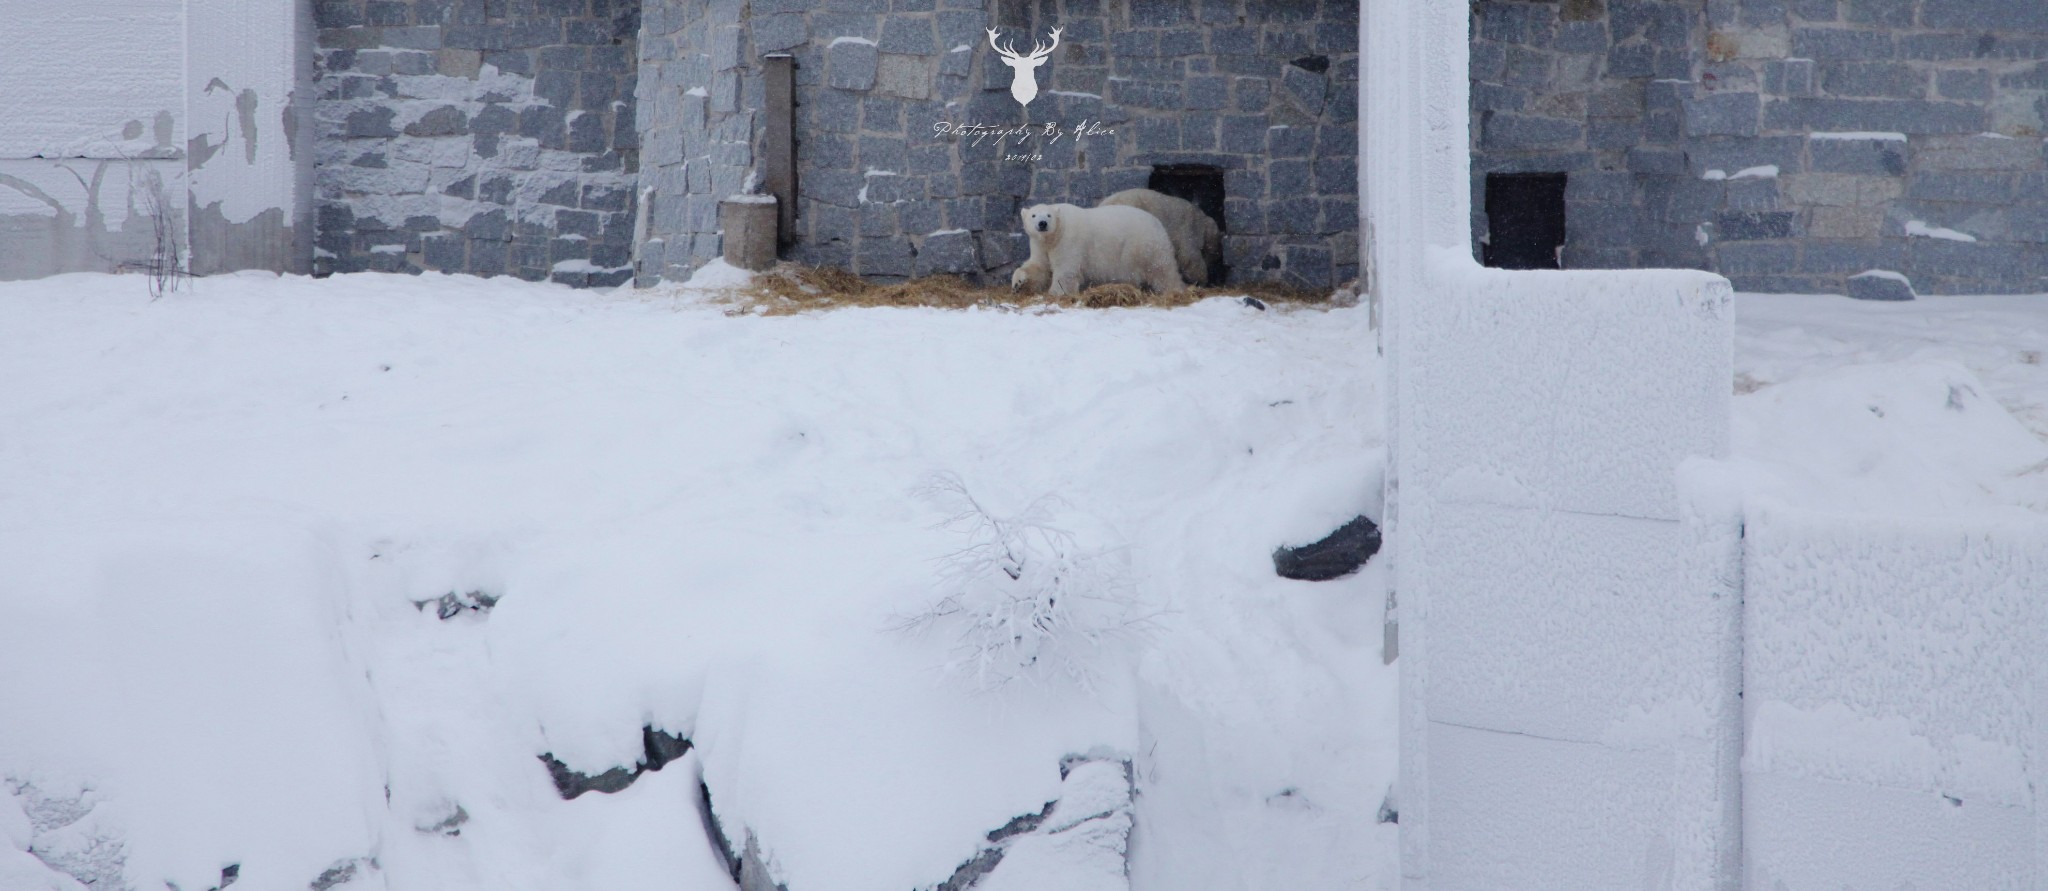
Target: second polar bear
1197,240
1074,247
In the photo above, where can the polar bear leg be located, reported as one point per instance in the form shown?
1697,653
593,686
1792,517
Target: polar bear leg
1066,279
1034,276
1161,275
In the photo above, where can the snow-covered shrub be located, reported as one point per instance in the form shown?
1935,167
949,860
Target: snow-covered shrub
1026,597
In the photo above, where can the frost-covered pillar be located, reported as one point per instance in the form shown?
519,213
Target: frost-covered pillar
248,77
1568,619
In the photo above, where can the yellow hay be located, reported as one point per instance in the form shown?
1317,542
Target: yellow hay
789,288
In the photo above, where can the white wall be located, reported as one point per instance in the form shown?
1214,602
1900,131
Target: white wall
105,97
1567,623
1896,683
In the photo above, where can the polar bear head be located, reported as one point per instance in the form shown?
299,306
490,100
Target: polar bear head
1041,219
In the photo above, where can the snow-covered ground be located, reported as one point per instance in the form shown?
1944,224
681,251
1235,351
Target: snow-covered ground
221,513
218,512
1937,406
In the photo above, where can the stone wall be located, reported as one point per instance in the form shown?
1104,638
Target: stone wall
1787,145
1265,92
481,136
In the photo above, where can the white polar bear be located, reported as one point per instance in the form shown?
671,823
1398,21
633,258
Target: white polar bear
1074,247
1197,240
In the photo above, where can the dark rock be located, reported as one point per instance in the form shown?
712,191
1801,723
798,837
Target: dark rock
451,604
1337,555
657,749
1255,303
1880,286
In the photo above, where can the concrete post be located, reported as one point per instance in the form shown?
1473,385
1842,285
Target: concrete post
748,222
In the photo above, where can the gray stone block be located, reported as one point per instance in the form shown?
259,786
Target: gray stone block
1754,225
851,66
1869,156
1974,15
951,252
1967,85
1966,187
1979,152
1288,142
1308,89
1910,116
1208,92
1839,257
1826,44
1722,114
910,34
884,256
1815,10
1755,259
1789,77
1879,285
1895,80
1514,131
1752,194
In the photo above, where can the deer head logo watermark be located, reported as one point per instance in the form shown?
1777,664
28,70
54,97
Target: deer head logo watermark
1024,86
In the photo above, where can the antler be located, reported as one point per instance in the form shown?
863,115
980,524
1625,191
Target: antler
1040,52
1006,52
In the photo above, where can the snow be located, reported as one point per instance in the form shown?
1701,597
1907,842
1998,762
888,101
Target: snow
1765,171
751,199
218,511
850,39
698,91
1921,229
1886,274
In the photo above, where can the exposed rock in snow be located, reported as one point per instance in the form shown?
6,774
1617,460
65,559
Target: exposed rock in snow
343,872
451,604
1337,555
658,748
1079,845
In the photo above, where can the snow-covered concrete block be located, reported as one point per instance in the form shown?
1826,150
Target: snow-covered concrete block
1568,390
1805,833
1572,626
1536,814
1896,699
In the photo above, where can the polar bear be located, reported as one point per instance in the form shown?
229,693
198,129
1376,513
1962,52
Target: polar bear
1074,247
1197,240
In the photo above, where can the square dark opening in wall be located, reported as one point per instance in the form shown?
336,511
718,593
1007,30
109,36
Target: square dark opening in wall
1524,220
1202,186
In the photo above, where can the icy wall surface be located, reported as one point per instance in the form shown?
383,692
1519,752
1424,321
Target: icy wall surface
479,137
190,118
1263,92
1894,680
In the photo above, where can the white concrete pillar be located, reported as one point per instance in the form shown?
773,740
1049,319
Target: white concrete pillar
1568,625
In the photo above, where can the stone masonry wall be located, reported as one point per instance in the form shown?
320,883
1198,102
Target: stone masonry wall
1264,91
481,136
1787,144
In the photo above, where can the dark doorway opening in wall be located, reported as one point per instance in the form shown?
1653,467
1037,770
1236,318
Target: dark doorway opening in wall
1202,186
1524,220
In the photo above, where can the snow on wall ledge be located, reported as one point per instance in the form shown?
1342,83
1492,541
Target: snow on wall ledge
1569,619
1897,702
